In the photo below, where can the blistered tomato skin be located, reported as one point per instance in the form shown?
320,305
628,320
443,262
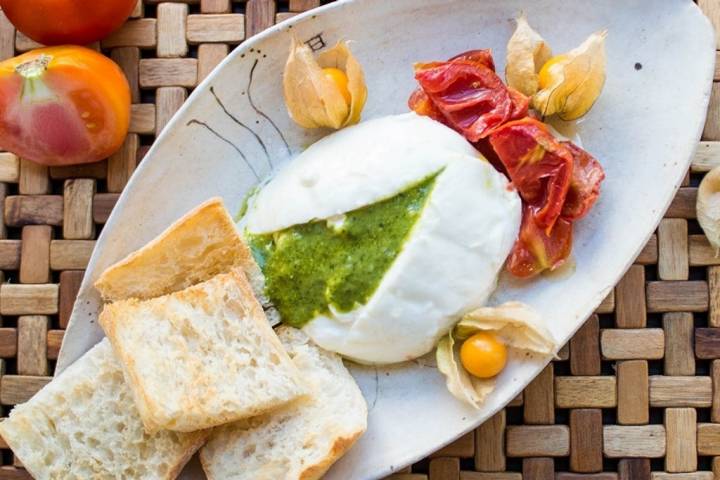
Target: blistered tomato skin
62,106
466,94
56,22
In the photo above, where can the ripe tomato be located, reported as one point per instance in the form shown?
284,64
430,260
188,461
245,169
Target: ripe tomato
63,105
538,249
55,22
585,183
539,166
466,94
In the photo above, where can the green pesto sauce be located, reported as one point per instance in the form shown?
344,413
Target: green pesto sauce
246,202
312,267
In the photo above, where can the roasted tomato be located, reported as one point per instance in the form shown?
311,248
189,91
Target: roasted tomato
539,166
480,57
584,185
520,104
466,94
421,104
55,22
63,105
538,249
557,181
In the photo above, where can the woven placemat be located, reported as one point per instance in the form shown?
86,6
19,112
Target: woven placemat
634,396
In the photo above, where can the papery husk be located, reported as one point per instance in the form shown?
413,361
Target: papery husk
518,325
313,100
576,81
515,323
341,57
527,52
708,207
460,383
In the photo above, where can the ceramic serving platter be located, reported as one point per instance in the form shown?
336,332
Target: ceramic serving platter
234,131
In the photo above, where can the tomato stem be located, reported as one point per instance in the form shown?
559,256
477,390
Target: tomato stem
32,71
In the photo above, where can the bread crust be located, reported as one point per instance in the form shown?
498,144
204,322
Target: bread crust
201,244
173,473
313,472
205,464
306,437
339,448
14,448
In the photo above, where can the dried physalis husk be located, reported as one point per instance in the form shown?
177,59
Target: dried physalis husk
708,207
527,52
459,382
570,83
312,98
518,325
515,323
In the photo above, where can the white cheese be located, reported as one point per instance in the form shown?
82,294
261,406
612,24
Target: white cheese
354,167
448,266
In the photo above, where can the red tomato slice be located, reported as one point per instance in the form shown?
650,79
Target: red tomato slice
520,103
536,249
480,57
421,104
470,96
557,181
483,146
539,166
584,185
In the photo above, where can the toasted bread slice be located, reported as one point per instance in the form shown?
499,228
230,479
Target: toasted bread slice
301,440
201,357
198,246
84,424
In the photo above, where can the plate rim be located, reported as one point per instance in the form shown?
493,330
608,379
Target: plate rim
246,45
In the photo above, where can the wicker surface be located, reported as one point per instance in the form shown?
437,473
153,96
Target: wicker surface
635,394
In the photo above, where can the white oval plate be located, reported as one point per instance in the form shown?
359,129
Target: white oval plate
643,129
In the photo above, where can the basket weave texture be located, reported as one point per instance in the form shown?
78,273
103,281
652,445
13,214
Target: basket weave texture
634,396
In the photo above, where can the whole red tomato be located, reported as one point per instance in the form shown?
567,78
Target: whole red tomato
56,22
